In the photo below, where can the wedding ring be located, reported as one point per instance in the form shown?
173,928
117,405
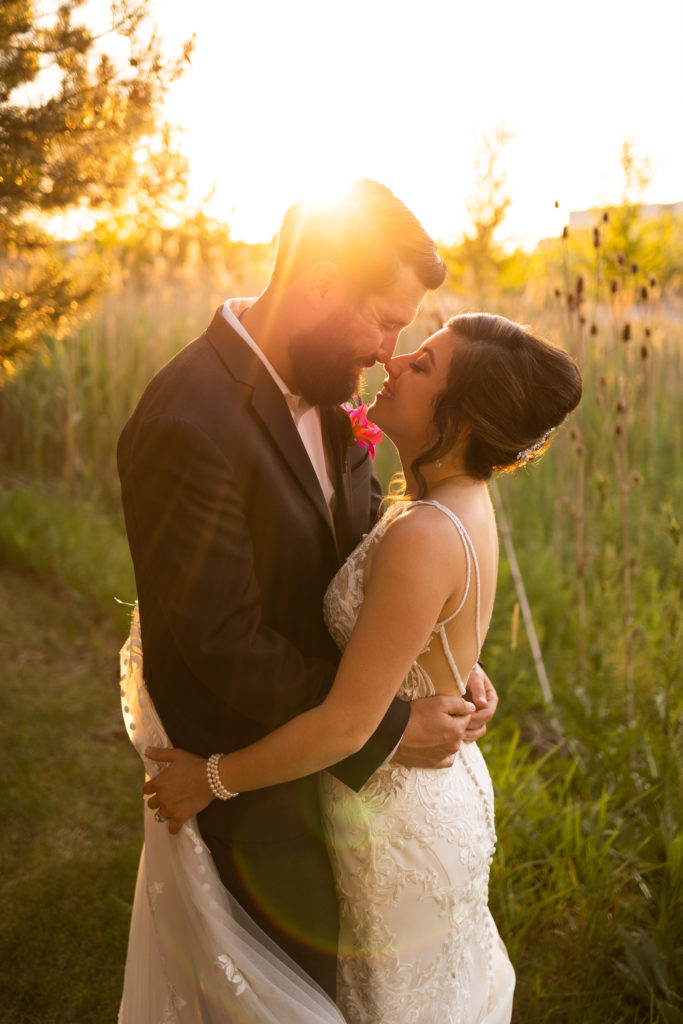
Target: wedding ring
158,816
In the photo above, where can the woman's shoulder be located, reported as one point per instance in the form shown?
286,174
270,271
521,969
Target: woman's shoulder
438,528
416,529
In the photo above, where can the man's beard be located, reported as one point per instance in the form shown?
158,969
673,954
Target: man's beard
324,369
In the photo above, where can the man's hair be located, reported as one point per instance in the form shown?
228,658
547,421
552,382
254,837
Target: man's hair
367,233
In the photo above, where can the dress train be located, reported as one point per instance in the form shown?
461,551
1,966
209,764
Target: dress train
194,955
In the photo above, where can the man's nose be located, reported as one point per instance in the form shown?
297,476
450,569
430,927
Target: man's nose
387,347
392,366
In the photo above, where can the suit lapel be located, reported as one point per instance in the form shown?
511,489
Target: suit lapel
269,404
336,440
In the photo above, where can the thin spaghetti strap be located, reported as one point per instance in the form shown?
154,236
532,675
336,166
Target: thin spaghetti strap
470,558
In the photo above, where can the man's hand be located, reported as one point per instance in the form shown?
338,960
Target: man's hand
180,790
481,692
435,730
438,725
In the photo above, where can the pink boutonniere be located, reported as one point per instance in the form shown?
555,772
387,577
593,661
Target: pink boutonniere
362,430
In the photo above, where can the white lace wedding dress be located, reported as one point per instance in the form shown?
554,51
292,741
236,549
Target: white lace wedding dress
411,853
194,956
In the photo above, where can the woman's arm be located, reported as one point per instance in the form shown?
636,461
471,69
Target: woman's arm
417,566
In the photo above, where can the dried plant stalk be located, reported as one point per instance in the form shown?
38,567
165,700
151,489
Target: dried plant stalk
504,527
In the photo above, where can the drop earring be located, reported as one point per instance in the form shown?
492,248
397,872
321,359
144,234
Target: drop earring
438,464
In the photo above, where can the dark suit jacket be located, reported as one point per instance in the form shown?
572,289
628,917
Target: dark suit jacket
233,550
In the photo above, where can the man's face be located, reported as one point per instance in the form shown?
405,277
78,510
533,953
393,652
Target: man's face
328,360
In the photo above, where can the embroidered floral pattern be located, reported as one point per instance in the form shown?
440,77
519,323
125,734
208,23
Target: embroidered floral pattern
232,974
411,854
139,715
154,891
176,1005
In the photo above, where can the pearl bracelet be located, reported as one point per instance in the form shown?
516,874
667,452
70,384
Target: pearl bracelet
214,779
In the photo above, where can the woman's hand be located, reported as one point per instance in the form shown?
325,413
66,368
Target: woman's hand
180,790
481,692
434,732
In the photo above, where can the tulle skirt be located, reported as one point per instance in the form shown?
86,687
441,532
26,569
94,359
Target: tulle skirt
194,955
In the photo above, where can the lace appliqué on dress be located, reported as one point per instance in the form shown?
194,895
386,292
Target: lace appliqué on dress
231,973
411,853
193,955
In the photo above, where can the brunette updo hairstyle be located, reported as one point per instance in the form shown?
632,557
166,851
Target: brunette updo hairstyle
508,388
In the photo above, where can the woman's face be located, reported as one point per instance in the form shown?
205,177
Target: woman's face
404,408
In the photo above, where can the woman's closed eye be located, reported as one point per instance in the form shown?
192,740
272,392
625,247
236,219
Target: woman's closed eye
416,368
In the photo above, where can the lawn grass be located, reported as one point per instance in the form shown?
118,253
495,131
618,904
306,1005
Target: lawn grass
70,804
587,884
75,543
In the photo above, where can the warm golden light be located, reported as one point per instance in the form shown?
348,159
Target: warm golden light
283,100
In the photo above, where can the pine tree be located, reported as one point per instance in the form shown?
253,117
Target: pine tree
75,109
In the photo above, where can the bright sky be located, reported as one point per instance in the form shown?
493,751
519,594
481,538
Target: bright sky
285,97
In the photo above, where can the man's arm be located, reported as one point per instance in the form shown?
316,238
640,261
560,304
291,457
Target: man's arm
438,725
409,583
196,562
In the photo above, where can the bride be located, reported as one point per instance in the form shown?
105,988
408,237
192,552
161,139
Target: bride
412,849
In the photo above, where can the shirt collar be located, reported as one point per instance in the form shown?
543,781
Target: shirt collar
232,310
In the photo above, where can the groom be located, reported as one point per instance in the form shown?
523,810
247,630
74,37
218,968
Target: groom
243,493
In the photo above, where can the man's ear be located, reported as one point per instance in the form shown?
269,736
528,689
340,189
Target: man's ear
323,284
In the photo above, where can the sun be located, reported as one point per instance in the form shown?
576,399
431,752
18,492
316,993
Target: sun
325,188
254,209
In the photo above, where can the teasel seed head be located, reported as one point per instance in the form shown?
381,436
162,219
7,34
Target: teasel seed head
598,398
579,284
634,268
570,301
636,478
558,293
621,259
620,406
579,449
644,353
626,332
648,332
644,293
618,430
614,286
653,282
565,232
596,238
573,434
602,380
605,217
557,204
582,320
594,328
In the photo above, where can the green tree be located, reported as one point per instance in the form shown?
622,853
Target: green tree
476,262
624,234
80,130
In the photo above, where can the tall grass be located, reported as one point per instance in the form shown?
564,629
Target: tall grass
61,415
588,883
